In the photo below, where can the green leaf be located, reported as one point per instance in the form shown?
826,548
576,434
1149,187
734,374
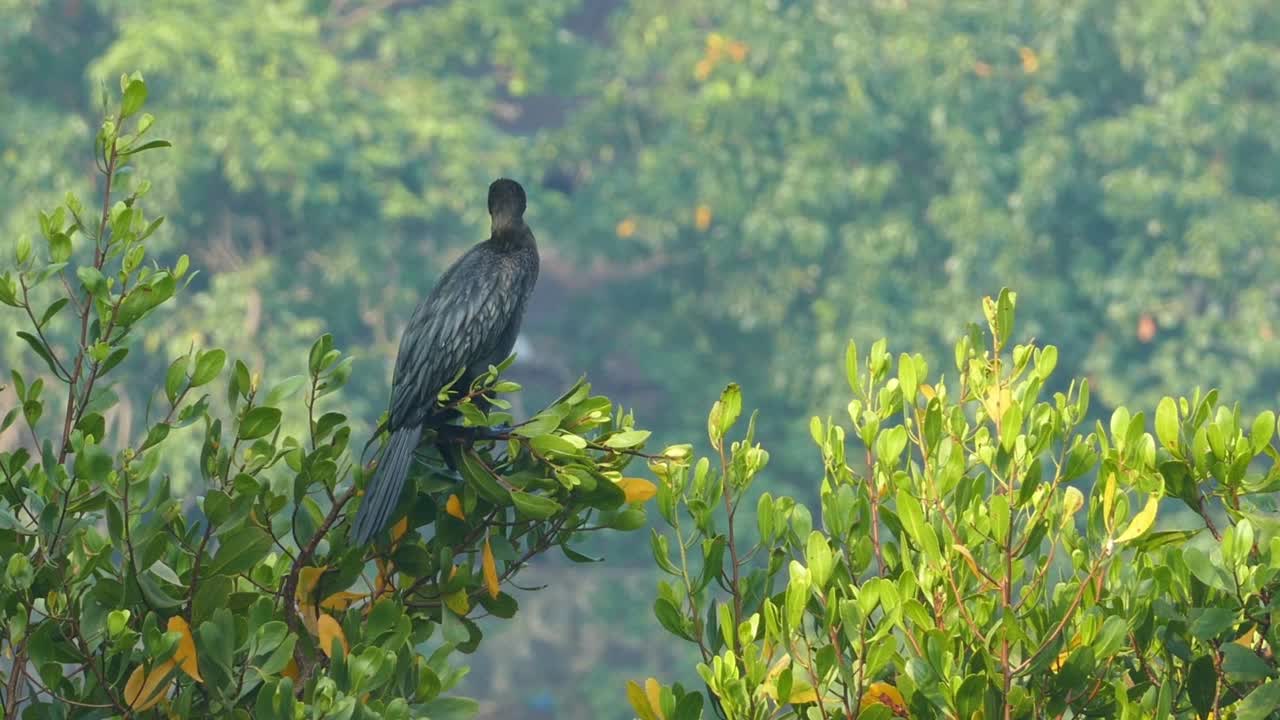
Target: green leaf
208,365
671,619
449,708
820,560
59,247
537,507
1243,664
212,592
1167,423
627,439
1202,684
174,378
1212,622
93,463
240,551
851,366
92,279
41,350
259,422
286,389
135,96
146,146
1264,426
1260,703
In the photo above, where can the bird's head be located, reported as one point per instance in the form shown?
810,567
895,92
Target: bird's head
506,204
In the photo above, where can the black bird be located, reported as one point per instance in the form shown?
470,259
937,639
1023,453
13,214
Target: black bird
468,322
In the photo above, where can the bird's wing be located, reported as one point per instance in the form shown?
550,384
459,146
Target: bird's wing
457,324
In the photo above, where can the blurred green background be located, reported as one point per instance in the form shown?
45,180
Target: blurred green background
721,189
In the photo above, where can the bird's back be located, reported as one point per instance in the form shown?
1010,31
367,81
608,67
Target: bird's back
469,321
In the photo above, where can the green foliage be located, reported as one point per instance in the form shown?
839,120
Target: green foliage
120,595
955,569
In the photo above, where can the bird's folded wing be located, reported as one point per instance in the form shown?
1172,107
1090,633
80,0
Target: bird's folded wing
459,323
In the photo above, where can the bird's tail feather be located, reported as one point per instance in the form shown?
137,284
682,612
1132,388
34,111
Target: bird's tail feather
384,489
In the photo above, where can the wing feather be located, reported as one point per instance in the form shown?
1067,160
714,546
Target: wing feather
458,324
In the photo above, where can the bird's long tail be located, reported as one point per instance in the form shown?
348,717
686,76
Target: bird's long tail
383,491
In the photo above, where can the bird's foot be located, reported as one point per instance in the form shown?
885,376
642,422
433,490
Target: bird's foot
498,432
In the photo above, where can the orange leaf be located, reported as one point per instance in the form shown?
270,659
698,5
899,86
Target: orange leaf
881,693
1146,328
329,629
982,69
1030,62
490,568
185,656
702,217
144,689
453,506
399,529
627,227
342,600
738,50
383,579
703,71
637,489
291,670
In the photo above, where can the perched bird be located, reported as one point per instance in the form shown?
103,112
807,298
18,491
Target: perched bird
468,322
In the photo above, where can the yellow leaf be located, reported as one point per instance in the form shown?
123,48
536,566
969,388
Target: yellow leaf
715,41
927,391
307,579
185,655
329,630
973,564
1246,640
653,692
702,217
458,602
637,489
399,529
1061,660
144,689
1141,522
639,702
801,691
490,568
1072,501
342,600
882,693
1108,500
453,506
627,227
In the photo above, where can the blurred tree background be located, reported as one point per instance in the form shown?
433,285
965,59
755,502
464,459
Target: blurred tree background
722,190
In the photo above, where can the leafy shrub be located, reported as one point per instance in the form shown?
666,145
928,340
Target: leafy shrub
118,597
960,571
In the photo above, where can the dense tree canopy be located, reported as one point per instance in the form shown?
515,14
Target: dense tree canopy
723,189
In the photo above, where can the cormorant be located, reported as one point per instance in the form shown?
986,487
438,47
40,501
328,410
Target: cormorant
468,322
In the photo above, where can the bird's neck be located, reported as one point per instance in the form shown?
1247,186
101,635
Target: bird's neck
511,237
